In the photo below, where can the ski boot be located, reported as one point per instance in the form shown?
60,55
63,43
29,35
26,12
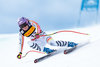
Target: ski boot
48,50
72,44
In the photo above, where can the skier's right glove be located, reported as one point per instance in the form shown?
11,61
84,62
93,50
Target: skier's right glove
37,36
19,56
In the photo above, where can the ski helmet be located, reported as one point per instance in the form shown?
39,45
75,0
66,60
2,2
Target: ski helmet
22,22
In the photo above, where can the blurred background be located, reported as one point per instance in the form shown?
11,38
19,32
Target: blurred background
50,14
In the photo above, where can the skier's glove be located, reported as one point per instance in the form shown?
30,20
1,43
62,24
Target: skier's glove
19,56
37,36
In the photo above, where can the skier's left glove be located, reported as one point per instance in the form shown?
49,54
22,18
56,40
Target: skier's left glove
19,56
37,36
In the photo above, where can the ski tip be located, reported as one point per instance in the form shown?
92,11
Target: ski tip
65,51
36,60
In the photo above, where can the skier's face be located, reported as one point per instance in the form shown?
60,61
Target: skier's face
25,28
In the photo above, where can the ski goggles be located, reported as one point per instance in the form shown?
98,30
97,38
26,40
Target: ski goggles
23,25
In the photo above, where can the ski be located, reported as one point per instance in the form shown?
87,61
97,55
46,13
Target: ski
66,51
44,57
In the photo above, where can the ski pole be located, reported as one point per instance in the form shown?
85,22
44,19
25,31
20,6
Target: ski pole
61,32
32,51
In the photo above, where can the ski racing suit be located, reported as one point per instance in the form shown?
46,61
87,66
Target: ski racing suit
39,43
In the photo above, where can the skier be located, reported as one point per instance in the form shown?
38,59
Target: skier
32,30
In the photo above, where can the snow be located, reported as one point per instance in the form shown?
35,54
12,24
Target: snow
86,56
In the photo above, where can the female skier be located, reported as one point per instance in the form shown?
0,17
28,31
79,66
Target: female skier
32,30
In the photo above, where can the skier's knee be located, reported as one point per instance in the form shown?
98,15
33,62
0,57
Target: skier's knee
35,46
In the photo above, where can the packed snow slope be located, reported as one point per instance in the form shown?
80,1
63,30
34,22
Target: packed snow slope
86,56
